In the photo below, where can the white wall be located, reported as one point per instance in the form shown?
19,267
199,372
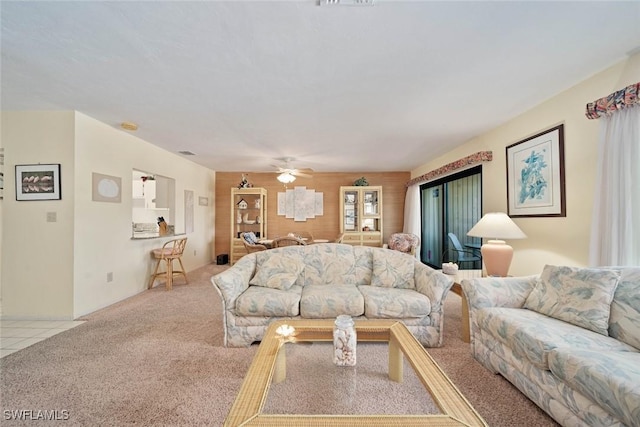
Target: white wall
564,240
103,230
90,238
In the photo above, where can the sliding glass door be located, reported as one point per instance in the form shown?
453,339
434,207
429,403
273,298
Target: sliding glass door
450,207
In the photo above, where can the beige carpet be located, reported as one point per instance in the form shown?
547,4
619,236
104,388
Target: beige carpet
157,359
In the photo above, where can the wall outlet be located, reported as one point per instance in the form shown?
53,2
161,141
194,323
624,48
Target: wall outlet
110,277
194,252
52,217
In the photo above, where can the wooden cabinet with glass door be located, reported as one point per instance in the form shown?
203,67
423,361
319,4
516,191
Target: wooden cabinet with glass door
248,213
361,215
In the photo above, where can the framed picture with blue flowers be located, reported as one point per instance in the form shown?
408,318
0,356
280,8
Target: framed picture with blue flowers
535,175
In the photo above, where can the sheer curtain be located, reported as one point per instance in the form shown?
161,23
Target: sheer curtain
615,232
412,218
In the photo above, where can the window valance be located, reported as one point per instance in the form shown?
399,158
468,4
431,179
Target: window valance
618,100
480,156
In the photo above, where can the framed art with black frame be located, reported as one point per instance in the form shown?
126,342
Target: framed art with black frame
38,182
535,175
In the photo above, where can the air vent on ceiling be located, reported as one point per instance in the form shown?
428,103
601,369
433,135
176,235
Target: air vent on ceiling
187,153
346,2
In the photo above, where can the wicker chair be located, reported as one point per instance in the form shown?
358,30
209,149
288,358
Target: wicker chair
170,251
251,244
306,236
287,241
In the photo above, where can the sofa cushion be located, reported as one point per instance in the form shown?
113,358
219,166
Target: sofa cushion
391,303
261,301
393,269
329,301
277,271
581,296
609,378
624,322
329,264
533,335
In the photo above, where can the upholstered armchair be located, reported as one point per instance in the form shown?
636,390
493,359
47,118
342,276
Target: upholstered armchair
404,242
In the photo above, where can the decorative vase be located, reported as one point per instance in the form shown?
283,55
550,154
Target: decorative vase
239,218
344,341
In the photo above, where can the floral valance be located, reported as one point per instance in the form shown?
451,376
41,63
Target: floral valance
618,100
480,156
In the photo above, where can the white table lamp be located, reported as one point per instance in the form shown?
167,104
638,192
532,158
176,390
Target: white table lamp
496,254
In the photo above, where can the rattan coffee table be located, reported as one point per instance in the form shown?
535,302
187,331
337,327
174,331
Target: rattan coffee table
269,366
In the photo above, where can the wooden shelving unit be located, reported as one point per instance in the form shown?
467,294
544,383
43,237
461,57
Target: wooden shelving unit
248,213
361,215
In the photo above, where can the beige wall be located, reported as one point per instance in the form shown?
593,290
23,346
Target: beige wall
37,256
550,240
59,270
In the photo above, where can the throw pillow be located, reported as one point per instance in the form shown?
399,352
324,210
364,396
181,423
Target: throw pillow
277,272
393,269
581,296
250,237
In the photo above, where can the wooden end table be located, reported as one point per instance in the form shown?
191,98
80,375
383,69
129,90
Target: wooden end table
457,289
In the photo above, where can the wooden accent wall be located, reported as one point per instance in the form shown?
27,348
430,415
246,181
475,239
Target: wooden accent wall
326,226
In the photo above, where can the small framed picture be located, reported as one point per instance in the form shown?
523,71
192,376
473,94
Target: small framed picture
106,188
38,182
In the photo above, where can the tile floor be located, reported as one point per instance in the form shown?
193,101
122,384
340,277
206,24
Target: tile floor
18,334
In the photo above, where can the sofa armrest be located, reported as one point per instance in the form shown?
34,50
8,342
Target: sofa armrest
235,280
432,283
498,291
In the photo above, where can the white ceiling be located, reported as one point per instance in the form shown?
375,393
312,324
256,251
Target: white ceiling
340,88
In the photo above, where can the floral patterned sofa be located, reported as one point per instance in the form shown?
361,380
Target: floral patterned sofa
322,281
569,339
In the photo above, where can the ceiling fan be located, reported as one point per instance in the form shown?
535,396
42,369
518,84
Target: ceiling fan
289,174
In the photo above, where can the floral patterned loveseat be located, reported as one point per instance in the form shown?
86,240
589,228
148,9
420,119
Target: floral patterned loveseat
569,339
322,281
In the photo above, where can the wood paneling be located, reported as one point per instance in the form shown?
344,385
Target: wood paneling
326,226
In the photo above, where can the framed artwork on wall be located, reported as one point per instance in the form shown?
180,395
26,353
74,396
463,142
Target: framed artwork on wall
535,175
38,182
106,188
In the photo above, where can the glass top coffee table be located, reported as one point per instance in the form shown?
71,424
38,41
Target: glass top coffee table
269,369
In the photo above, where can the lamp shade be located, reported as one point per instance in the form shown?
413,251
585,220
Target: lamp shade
496,254
496,225
286,178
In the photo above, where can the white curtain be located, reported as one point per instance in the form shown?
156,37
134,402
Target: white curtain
412,214
615,231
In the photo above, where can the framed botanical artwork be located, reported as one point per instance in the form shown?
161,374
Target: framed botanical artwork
535,175
38,182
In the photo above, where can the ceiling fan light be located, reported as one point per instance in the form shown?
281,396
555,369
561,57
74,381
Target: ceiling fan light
286,178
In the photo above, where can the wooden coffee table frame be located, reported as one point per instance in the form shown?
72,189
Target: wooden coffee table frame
269,366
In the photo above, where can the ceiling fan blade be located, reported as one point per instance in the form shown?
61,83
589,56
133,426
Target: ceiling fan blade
304,170
300,174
